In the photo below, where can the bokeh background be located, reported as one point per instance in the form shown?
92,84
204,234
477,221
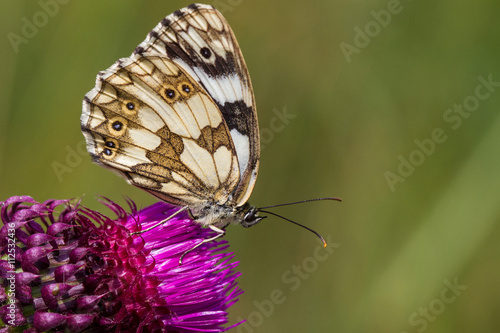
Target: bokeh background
414,246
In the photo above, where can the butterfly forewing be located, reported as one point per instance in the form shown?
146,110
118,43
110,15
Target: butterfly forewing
177,118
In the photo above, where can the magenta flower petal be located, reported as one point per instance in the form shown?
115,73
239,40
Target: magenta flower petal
74,269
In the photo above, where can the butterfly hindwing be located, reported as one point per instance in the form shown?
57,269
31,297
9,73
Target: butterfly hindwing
153,123
178,117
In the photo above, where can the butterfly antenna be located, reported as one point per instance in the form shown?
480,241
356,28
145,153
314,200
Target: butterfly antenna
299,202
300,225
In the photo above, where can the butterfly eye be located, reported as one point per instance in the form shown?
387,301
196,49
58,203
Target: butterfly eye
205,52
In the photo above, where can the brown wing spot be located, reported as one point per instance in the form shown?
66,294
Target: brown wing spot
167,157
185,88
108,152
142,181
129,108
177,143
117,126
205,52
171,145
164,150
153,171
109,149
212,138
121,103
164,133
205,140
221,137
110,143
170,94
167,153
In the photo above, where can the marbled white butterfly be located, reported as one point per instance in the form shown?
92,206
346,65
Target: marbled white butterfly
177,118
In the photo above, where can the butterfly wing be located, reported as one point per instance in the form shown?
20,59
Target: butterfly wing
148,120
199,40
178,123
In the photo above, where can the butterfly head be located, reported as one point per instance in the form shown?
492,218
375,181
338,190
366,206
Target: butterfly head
251,216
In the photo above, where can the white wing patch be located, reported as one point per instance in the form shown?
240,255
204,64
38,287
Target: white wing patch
95,119
128,157
152,118
223,89
242,146
175,189
200,162
222,159
144,139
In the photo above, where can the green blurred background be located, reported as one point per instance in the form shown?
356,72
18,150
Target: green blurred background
401,241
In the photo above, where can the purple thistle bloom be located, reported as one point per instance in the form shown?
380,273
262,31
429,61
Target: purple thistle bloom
68,268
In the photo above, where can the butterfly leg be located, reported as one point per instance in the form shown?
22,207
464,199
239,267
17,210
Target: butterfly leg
220,233
163,221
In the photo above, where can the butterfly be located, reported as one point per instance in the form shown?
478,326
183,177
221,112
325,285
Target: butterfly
178,119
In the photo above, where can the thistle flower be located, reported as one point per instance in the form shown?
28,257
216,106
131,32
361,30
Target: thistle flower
78,270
